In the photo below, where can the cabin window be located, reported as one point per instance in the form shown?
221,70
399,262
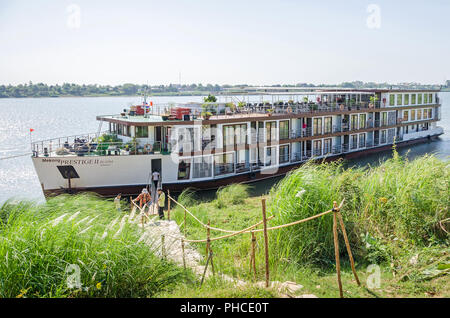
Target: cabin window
284,129
354,122
271,158
317,126
413,114
228,135
392,100
430,98
271,130
362,121
405,115
425,114
241,134
141,131
430,113
419,114
224,164
406,99
328,125
413,99
234,134
384,119
419,99
362,140
383,137
354,139
202,167
327,146
317,146
284,153
399,99
184,169
425,98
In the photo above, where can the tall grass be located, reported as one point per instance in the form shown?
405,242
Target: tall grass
399,202
40,245
232,194
188,197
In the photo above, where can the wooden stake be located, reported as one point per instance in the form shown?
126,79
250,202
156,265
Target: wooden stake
336,252
208,245
347,244
168,207
253,257
266,241
184,258
185,225
163,246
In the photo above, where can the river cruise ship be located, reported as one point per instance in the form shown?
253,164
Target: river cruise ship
242,135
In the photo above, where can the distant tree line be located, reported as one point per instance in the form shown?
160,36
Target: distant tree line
66,89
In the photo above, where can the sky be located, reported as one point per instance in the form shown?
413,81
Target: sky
224,42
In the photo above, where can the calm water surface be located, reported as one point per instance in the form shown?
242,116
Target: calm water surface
55,117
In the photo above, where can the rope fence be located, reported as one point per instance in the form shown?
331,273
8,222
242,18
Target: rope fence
337,220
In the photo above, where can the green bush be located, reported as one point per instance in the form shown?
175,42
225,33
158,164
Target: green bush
232,194
39,244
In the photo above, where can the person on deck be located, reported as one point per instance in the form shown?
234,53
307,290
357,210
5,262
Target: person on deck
117,202
160,203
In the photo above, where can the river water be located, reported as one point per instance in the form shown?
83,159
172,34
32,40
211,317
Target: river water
55,117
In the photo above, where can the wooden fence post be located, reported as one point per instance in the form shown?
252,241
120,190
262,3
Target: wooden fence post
266,241
163,246
185,225
336,250
168,207
184,257
253,257
208,245
347,244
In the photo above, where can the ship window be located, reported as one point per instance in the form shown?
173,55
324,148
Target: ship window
317,147
413,99
405,115
271,130
202,167
419,99
141,131
383,137
328,124
399,99
430,113
271,158
284,153
425,114
317,126
354,139
413,114
362,121
362,140
406,99
354,122
419,114
284,129
391,100
425,98
430,98
224,164
68,172
327,146
184,169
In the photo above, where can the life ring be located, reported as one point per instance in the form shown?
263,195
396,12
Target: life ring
148,148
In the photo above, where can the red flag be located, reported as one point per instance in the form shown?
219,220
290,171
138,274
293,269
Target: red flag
31,129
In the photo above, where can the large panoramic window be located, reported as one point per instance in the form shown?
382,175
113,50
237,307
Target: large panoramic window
241,134
413,99
317,125
419,114
425,113
228,135
392,100
425,98
271,130
327,146
362,121
406,99
419,99
362,140
399,99
354,141
354,122
413,114
284,129
141,131
317,146
328,125
284,154
202,167
384,119
383,136
184,169
430,113
271,156
430,98
405,115
224,163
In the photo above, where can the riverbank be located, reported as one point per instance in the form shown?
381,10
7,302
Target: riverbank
396,216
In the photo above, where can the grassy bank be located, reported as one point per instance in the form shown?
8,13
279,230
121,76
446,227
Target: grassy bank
42,247
392,212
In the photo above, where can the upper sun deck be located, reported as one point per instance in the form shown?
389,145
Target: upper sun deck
262,103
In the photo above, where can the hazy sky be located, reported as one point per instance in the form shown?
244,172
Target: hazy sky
224,42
